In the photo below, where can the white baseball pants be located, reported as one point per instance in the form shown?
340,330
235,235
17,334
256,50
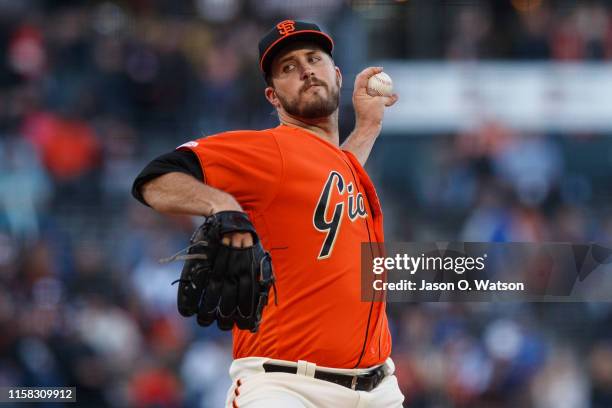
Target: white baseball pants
254,388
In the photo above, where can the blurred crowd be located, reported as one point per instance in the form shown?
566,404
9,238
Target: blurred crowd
90,91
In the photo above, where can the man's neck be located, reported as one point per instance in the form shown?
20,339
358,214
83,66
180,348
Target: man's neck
326,128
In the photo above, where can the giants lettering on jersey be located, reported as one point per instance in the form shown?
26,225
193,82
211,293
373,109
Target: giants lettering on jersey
355,204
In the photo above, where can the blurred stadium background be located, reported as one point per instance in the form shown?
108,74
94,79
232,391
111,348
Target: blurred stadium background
502,134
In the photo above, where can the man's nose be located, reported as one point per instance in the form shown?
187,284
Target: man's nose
307,72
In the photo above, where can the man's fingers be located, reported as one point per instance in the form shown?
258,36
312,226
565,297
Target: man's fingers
242,240
390,100
247,240
361,80
238,239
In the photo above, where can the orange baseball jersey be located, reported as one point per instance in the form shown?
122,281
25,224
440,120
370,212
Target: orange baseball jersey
312,205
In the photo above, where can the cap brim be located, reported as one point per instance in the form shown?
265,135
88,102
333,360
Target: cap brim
318,37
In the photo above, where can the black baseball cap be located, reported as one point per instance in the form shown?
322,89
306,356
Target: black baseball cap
286,32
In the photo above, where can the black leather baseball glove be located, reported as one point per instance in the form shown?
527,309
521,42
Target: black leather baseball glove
224,283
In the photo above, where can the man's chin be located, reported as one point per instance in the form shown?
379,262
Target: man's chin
316,112
312,105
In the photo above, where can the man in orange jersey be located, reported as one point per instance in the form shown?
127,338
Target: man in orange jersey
312,205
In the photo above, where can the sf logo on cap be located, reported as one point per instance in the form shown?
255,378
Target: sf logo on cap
285,27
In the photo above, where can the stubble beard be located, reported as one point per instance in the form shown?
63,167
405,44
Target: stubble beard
315,106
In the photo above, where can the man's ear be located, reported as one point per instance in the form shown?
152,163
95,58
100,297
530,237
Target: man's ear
270,94
339,76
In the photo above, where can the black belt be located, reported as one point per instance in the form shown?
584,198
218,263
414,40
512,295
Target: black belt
364,382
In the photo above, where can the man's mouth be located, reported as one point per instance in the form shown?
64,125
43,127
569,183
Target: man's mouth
312,85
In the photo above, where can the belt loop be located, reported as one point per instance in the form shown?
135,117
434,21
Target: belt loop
354,383
310,369
302,367
388,367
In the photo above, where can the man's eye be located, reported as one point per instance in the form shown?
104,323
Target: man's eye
314,59
288,67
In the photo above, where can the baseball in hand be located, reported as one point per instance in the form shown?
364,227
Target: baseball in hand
380,85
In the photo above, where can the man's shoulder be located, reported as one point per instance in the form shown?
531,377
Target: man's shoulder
234,142
237,135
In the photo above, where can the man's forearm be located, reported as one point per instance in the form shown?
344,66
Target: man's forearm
179,193
361,140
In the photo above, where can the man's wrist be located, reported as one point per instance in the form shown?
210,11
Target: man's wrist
367,130
228,203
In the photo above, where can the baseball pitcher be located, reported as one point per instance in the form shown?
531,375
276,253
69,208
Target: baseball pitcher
277,260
